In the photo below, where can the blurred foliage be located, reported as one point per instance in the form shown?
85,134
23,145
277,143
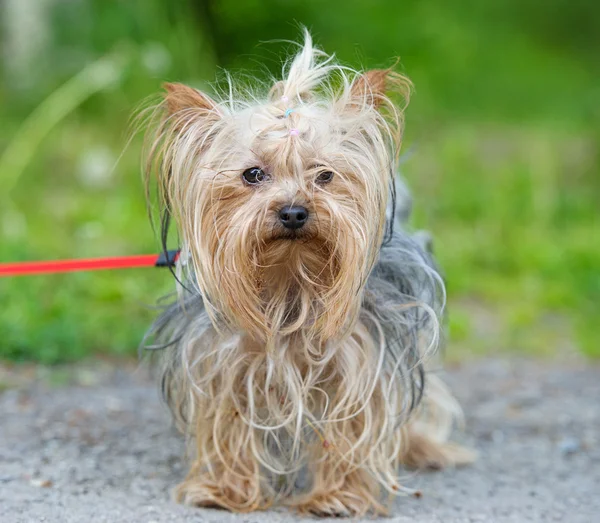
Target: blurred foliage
505,125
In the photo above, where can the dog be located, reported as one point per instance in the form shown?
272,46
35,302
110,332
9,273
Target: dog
297,354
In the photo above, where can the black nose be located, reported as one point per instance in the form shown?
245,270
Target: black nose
293,217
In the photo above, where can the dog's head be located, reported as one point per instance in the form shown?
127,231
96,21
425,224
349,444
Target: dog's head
281,201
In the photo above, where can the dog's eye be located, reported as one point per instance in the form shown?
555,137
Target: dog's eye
324,177
254,176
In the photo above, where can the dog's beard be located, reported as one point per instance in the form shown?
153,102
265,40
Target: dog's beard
295,277
270,282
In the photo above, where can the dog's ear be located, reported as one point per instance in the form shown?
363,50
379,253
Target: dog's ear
186,106
180,97
371,85
375,87
384,90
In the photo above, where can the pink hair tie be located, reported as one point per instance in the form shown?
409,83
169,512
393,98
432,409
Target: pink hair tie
294,132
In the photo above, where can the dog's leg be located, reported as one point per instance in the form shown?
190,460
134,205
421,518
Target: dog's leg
341,484
336,493
423,452
348,466
427,444
225,474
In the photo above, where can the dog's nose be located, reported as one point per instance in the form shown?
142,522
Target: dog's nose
293,216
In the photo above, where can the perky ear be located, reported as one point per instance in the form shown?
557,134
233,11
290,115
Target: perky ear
184,113
386,91
373,86
180,97
186,106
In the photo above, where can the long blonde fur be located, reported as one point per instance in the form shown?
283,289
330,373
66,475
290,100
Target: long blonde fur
295,366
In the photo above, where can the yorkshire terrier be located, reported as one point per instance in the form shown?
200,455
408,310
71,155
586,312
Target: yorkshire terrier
296,354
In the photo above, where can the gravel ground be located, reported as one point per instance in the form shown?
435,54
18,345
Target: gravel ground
99,447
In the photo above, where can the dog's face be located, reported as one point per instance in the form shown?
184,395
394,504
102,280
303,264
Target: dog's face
281,203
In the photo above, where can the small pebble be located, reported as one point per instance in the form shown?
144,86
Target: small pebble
40,483
569,446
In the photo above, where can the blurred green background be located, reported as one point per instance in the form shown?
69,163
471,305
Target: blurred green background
504,129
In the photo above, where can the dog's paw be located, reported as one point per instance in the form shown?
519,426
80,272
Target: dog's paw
340,504
424,453
238,498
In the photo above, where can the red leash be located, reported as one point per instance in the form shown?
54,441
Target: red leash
165,259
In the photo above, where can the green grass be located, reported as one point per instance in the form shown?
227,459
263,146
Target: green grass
515,216
506,171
